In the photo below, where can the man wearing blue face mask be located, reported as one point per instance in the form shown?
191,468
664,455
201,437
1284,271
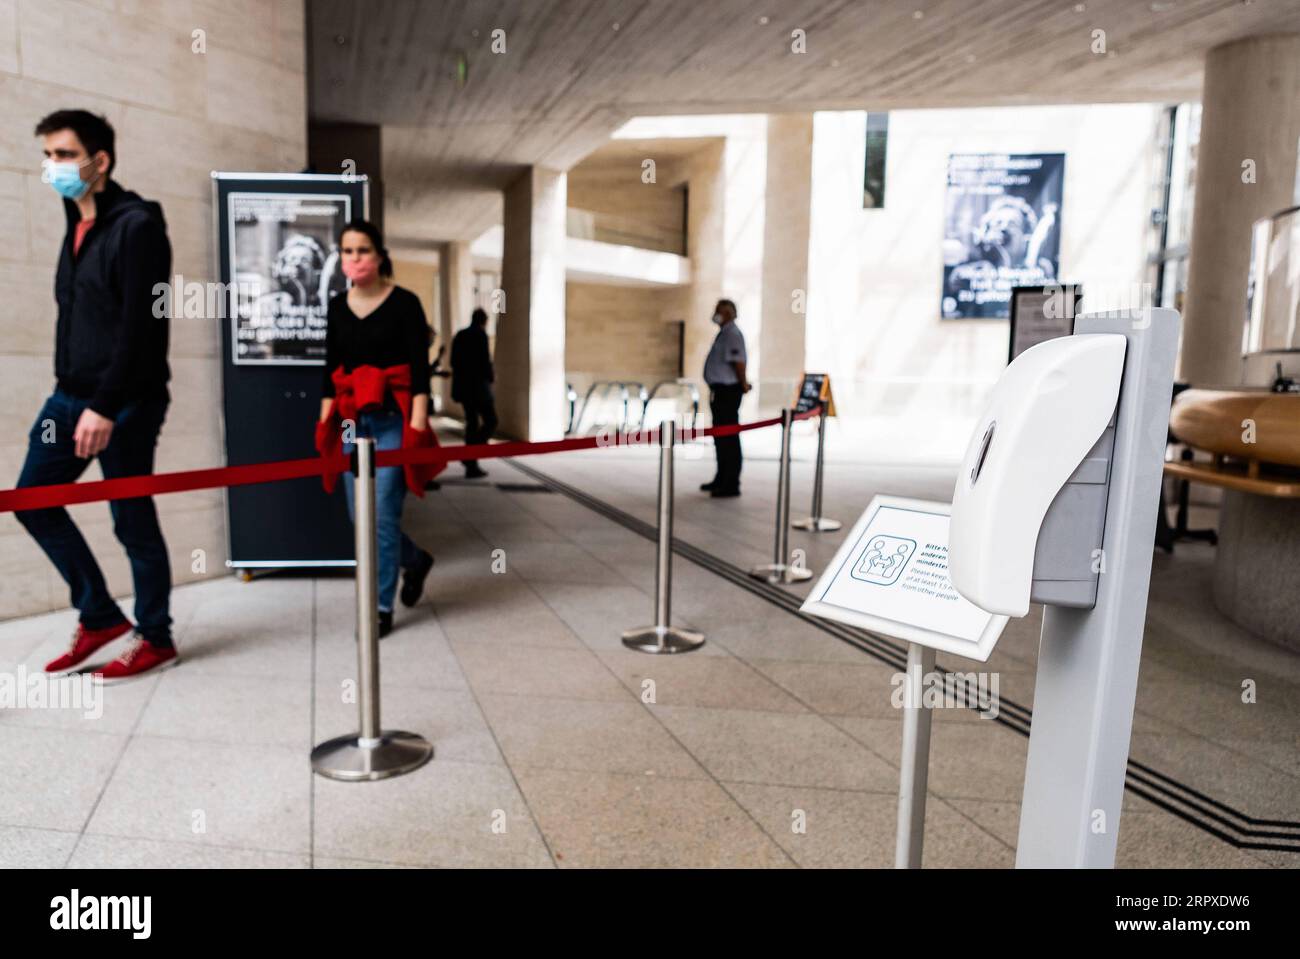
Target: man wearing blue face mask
724,372
110,396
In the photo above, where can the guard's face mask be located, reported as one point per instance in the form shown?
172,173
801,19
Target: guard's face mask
717,319
65,177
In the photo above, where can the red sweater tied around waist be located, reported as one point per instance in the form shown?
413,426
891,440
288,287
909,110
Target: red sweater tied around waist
362,391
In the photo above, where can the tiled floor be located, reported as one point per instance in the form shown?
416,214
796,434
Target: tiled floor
774,745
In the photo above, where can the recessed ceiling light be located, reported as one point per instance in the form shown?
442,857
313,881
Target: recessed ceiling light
340,39
615,26
918,14
764,20
1080,7
1160,6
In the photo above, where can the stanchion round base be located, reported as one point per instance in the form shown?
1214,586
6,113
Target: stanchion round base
781,573
347,758
663,639
817,524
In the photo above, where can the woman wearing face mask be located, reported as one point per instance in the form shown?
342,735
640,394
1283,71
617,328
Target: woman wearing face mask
377,377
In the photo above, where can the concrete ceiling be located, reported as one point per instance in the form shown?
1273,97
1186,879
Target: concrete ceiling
460,121
616,155
617,161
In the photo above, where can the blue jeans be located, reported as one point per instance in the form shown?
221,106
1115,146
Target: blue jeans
51,458
395,547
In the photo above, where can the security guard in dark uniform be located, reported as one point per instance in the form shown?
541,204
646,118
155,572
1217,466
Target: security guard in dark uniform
724,372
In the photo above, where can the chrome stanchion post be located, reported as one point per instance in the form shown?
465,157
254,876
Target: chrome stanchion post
816,523
780,570
374,752
663,637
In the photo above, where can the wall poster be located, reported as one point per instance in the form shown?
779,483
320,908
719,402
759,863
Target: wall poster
285,265
1002,229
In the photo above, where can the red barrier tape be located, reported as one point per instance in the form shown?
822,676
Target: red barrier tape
67,494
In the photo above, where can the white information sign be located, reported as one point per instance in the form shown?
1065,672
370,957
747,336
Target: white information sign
891,576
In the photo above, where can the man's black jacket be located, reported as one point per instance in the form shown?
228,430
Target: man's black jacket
109,347
471,364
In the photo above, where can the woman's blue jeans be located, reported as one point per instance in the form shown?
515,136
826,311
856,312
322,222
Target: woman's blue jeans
396,551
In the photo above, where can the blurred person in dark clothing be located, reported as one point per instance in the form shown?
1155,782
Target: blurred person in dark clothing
724,372
110,395
471,385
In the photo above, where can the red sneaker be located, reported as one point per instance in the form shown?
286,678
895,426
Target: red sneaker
84,642
141,658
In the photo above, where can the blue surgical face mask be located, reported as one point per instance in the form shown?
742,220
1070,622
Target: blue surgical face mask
717,319
65,177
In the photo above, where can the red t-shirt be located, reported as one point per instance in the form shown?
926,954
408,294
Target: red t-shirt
82,228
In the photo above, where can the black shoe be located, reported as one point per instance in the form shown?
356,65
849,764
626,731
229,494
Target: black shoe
717,493
475,472
432,485
706,487
385,622
413,579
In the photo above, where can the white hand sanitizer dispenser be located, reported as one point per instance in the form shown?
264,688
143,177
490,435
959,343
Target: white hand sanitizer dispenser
1056,504
1030,503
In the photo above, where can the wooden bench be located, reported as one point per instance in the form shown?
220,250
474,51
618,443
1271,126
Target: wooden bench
1254,439
1248,477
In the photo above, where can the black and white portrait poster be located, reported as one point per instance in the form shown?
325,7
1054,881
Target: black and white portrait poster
285,267
1002,229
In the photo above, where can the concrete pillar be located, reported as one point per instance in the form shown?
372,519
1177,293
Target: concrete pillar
785,255
455,303
530,330
705,244
356,148
725,240
1250,125
1256,579
744,161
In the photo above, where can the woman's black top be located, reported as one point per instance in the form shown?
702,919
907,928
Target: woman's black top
394,333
